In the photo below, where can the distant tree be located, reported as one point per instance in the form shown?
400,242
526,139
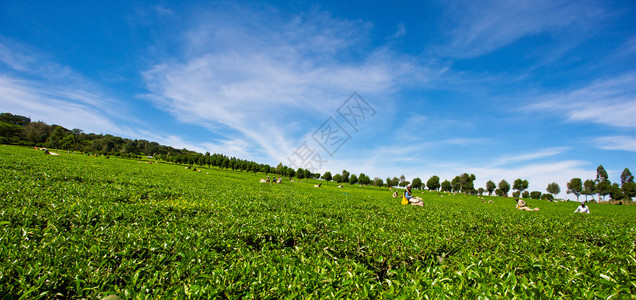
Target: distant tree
629,190
456,184
14,119
337,178
345,175
504,186
327,176
575,186
535,195
300,173
553,188
480,191
446,186
589,188
548,197
364,179
603,188
417,183
395,181
499,192
353,179
389,182
626,176
525,194
520,185
490,187
601,174
433,183
402,179
516,194
615,192
466,183
378,182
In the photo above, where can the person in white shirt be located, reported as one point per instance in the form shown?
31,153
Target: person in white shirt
582,209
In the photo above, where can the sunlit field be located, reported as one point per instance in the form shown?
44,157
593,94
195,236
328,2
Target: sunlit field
77,226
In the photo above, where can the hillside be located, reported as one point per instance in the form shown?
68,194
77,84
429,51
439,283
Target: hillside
81,226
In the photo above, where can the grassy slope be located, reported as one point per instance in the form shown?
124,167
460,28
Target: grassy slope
83,226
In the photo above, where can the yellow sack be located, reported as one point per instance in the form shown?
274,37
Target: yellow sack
405,201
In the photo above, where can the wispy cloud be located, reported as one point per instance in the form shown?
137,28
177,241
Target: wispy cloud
257,73
481,27
619,142
33,86
538,154
610,102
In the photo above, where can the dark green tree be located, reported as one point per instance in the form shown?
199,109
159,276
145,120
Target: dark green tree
601,174
337,178
364,179
615,192
467,183
480,191
446,186
603,188
553,188
327,176
378,182
504,186
589,188
575,186
626,176
345,175
535,195
353,179
417,183
433,183
629,190
525,194
490,187
520,185
456,184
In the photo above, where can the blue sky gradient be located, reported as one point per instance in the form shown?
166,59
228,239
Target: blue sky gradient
538,90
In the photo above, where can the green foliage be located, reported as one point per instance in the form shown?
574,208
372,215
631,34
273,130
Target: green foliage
629,190
520,185
626,177
504,186
535,195
417,183
353,179
433,183
601,174
75,226
589,188
456,184
490,187
548,197
553,188
615,192
575,186
604,188
525,194
446,186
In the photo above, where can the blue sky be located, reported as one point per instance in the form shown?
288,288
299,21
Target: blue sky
538,90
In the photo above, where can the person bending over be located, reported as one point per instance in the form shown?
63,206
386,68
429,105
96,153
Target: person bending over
582,209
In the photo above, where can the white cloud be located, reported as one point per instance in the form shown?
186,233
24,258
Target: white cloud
484,26
542,153
257,73
619,142
610,102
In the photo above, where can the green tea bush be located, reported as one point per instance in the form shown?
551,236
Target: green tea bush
74,226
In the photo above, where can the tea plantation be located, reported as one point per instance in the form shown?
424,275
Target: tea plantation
75,226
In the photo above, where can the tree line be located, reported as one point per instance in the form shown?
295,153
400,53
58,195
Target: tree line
19,130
